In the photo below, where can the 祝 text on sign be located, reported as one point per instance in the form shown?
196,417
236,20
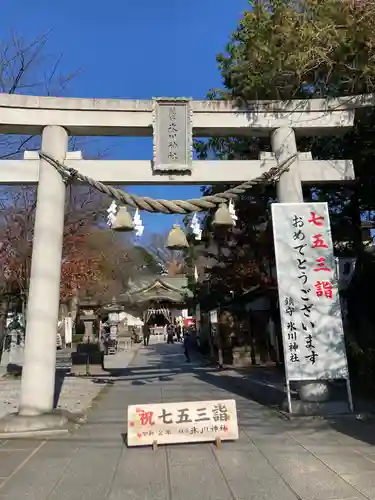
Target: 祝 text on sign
309,302
172,135
198,421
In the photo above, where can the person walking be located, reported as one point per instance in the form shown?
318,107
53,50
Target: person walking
170,333
178,332
105,337
146,335
187,343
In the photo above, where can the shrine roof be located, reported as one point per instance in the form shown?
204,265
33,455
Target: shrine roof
158,288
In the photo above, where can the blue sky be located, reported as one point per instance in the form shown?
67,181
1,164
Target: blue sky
133,49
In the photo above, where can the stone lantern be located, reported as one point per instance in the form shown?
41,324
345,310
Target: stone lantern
89,320
113,311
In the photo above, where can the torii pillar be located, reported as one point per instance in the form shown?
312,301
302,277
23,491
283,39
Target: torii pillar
289,190
38,374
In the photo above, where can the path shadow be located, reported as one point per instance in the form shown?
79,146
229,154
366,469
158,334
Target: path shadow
355,428
62,372
165,364
256,385
262,385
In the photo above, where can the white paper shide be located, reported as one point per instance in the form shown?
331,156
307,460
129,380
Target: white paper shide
138,224
309,302
186,422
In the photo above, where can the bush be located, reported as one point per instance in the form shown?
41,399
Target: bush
77,338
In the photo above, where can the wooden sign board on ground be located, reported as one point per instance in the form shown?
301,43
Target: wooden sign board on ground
186,422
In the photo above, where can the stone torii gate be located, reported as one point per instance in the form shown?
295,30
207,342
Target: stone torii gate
55,119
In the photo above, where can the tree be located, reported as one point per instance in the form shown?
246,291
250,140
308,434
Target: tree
84,209
279,51
117,262
284,49
320,48
95,262
25,67
170,262
15,252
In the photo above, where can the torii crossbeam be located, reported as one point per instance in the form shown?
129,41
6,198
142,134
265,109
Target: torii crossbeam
141,172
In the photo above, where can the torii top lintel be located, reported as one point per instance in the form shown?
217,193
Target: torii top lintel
21,114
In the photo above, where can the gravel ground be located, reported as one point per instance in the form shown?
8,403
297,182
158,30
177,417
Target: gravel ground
76,394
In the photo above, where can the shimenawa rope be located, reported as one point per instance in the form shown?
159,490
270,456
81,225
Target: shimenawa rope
170,206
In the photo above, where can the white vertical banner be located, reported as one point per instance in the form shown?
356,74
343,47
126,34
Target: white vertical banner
198,319
213,317
311,322
68,324
198,312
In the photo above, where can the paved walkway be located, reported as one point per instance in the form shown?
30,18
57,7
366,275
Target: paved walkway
273,459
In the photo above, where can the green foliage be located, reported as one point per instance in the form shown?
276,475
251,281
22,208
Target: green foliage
77,338
278,51
148,260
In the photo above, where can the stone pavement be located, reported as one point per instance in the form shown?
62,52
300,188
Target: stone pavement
274,458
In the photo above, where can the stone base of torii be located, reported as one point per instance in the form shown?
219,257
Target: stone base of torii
56,119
